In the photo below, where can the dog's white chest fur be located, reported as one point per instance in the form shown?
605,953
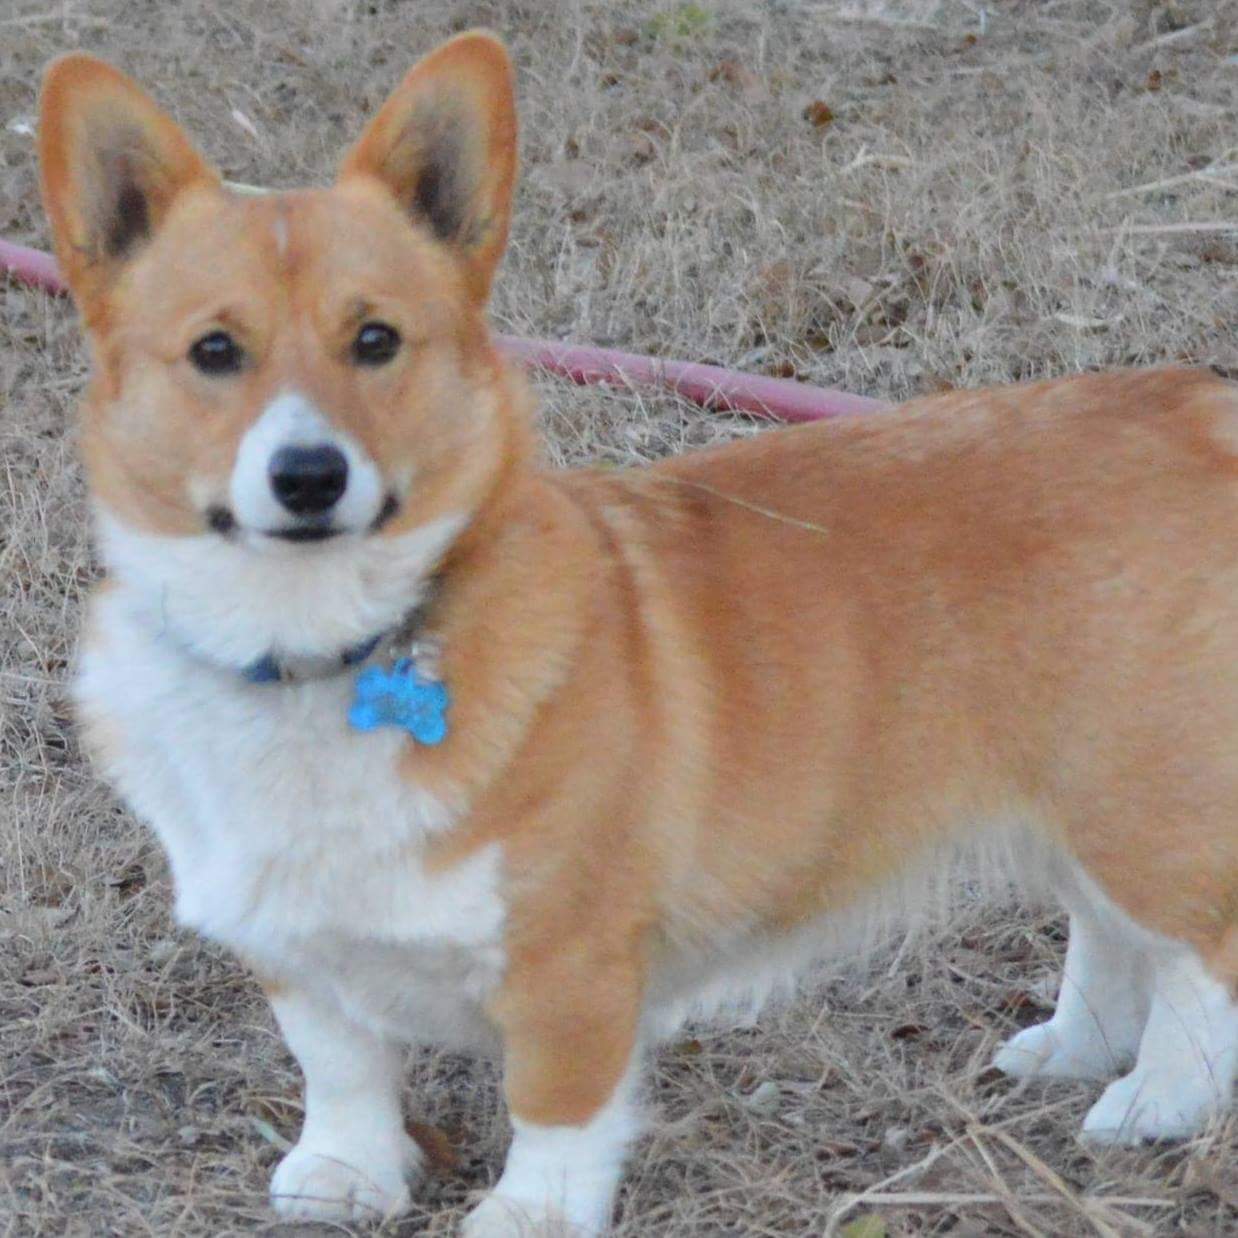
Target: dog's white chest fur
293,839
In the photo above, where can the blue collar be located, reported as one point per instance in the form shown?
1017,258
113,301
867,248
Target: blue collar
408,695
270,669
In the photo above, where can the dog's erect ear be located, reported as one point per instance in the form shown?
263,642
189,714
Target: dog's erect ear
444,144
112,165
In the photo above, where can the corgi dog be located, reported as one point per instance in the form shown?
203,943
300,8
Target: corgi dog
452,748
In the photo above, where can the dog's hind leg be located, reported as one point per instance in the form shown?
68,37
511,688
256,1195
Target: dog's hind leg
1184,1074
1102,1003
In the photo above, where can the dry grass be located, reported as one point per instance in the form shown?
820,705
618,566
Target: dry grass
982,206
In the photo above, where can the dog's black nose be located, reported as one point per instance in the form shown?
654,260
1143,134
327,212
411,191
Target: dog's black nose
309,480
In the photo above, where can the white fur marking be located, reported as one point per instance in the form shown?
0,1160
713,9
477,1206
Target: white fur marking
1130,994
298,841
560,1179
293,838
215,595
354,1159
1101,1008
290,420
281,822
1184,1075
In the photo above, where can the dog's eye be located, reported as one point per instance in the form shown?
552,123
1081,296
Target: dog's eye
375,344
217,353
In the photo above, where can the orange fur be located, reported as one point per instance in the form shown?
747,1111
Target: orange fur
1015,603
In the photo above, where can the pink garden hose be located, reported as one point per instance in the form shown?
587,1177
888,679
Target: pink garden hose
31,266
710,386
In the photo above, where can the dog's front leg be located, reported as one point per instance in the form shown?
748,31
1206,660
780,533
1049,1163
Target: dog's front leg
570,1074
354,1159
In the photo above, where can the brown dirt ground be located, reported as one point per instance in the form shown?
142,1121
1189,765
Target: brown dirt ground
886,197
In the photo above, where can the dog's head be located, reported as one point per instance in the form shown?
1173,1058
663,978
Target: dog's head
295,404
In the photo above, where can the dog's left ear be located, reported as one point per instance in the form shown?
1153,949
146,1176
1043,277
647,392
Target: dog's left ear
444,145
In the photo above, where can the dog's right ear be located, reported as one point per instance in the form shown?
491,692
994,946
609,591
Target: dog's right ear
112,165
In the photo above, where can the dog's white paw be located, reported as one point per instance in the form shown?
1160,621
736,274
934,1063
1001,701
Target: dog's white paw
500,1216
1140,1108
345,1184
1039,1053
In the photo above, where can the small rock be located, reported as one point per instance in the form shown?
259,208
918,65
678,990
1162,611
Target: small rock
764,1098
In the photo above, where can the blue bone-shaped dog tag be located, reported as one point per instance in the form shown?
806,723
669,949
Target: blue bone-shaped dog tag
400,697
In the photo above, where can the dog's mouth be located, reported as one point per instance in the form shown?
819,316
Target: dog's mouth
304,533
220,519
